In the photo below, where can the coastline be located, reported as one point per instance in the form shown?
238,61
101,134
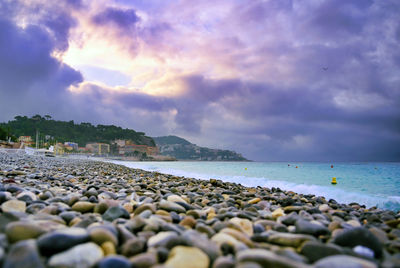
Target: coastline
219,224
367,186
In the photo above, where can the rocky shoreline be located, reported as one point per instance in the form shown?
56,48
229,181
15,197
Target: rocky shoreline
58,212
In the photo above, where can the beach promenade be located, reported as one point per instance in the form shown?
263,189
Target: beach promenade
62,212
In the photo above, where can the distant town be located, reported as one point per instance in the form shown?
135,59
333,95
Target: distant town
119,147
56,138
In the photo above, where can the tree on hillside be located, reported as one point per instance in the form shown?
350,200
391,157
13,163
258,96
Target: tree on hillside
37,117
3,134
82,133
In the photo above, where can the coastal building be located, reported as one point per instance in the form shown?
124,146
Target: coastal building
59,149
72,145
83,150
27,140
68,148
128,149
120,143
132,148
152,150
98,148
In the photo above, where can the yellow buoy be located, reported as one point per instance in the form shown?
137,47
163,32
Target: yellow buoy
334,180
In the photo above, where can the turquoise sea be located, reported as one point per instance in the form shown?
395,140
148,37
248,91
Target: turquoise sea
371,184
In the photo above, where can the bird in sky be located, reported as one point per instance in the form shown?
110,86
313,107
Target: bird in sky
325,68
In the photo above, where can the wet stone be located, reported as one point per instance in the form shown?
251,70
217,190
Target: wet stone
202,242
171,206
182,257
123,233
306,227
280,228
344,261
83,206
254,200
324,208
35,208
67,216
266,258
91,192
248,265
189,222
4,196
224,262
393,223
113,262
135,224
13,206
23,254
278,213
290,219
378,233
83,256
175,198
291,254
144,207
161,239
202,228
287,239
60,240
244,224
101,234
115,213
359,236
108,248
45,195
133,246
22,230
144,260
316,250
242,237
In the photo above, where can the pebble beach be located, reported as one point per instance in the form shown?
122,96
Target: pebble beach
62,212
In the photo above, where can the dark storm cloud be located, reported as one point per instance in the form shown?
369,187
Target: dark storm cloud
30,77
303,123
122,18
206,90
75,3
59,25
128,99
24,53
331,19
258,11
124,22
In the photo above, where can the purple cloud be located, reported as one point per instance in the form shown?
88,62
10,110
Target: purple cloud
121,18
76,4
60,25
310,80
26,53
29,76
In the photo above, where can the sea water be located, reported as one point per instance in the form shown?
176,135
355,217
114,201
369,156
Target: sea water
370,184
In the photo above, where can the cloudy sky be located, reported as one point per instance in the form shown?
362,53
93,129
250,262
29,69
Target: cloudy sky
273,79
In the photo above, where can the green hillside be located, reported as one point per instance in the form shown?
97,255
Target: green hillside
69,131
170,140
